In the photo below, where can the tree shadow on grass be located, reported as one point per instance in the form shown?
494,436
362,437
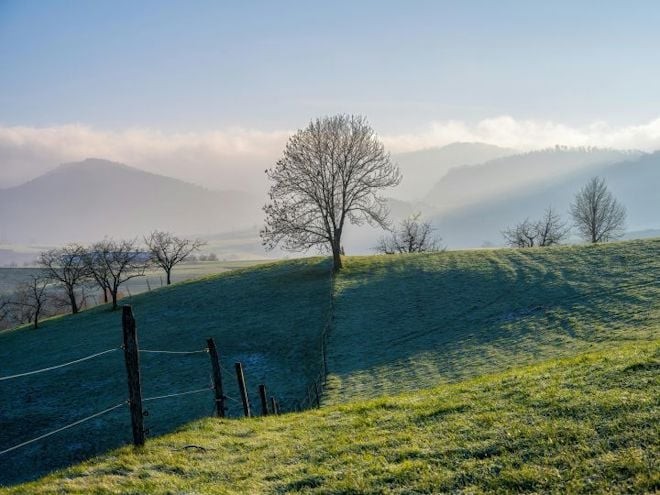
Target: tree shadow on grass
410,322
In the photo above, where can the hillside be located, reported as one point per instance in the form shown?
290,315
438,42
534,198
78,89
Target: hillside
424,167
466,185
270,318
581,425
88,200
406,322
632,181
401,323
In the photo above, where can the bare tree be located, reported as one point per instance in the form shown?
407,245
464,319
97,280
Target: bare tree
330,173
30,300
547,231
167,250
522,235
411,236
598,216
113,263
5,311
551,229
66,266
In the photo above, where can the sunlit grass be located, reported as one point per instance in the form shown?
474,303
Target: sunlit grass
586,424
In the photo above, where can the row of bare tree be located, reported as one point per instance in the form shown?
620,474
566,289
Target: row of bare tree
107,264
597,216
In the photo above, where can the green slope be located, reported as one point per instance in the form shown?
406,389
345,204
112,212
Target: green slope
269,317
409,322
587,424
400,324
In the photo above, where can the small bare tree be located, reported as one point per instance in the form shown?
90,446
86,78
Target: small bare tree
30,300
66,266
522,235
547,231
167,250
598,216
113,263
551,229
411,236
331,172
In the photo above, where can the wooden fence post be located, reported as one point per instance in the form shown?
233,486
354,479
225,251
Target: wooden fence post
217,378
242,389
273,406
132,358
264,400
318,395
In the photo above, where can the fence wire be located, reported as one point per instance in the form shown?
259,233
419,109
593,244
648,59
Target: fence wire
189,392
155,351
50,368
71,425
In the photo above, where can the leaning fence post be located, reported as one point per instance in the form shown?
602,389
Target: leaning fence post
273,406
242,389
264,401
217,378
132,358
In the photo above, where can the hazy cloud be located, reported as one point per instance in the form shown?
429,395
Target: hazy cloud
529,134
235,158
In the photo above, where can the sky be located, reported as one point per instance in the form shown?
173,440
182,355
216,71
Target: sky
228,81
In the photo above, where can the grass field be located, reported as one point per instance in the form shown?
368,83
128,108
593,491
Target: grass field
587,424
408,322
11,278
269,318
401,324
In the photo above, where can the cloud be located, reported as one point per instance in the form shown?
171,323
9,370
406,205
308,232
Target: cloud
529,134
235,158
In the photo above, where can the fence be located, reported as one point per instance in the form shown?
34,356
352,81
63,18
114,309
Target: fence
134,402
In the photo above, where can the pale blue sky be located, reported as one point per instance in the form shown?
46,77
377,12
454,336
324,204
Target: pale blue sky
197,65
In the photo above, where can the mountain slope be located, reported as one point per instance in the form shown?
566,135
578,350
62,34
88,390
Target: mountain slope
424,167
85,201
579,425
633,182
466,185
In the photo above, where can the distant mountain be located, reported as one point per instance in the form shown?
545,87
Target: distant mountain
423,168
463,186
85,201
634,182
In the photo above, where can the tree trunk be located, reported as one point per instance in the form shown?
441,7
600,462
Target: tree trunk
105,295
336,255
169,279
72,299
114,299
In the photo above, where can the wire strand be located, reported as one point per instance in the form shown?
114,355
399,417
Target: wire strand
150,351
177,394
50,368
71,425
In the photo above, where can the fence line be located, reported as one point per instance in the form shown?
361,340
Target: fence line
71,425
50,368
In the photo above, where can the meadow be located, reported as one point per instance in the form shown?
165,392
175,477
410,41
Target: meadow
408,322
278,345
586,424
11,278
469,356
